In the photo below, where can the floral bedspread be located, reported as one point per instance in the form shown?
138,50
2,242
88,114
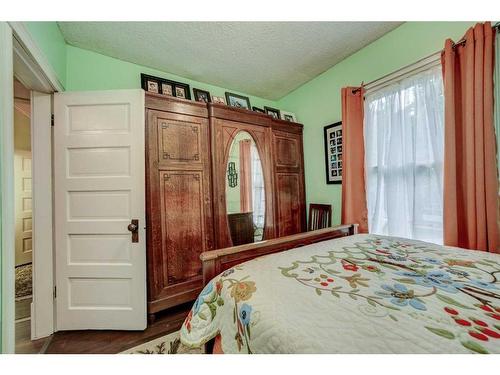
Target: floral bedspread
357,294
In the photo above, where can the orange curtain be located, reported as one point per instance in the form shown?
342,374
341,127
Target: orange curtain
245,176
470,207
353,177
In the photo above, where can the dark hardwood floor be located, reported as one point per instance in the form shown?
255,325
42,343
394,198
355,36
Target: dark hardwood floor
110,342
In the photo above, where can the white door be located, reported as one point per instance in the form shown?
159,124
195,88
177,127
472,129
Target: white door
22,178
99,189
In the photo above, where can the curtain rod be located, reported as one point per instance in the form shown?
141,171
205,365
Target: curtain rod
404,70
455,45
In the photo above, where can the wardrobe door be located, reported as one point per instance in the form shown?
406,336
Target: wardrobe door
181,208
224,133
289,182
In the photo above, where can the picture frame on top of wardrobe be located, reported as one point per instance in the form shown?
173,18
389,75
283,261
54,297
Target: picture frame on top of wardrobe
201,96
273,112
165,86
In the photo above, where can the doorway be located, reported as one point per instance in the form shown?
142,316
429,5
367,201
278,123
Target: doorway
23,218
26,255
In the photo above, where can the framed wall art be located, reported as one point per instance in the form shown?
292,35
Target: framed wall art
333,153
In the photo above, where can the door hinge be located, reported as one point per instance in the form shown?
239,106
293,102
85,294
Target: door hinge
51,120
55,292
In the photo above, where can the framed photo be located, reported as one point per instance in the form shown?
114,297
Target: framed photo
167,89
238,101
288,116
333,153
164,86
201,96
257,109
275,113
218,100
180,92
152,86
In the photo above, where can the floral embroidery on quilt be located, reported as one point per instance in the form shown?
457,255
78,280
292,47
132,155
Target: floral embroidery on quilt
388,277
241,291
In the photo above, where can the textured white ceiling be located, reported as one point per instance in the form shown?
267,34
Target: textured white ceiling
266,59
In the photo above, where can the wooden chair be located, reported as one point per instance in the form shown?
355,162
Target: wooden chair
320,216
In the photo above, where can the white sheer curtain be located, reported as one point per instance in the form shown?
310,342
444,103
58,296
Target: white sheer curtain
404,128
258,198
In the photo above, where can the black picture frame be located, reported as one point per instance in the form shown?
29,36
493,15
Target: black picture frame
230,95
257,109
333,137
273,112
160,81
167,89
199,96
148,83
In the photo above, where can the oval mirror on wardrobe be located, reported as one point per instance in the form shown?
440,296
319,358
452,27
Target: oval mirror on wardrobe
245,194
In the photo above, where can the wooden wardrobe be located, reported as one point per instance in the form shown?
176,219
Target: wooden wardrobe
187,146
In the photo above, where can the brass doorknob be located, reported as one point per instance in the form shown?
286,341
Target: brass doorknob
133,227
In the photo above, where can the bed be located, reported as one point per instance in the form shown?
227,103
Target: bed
335,291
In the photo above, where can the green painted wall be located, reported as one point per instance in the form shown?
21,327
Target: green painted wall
50,40
318,103
87,70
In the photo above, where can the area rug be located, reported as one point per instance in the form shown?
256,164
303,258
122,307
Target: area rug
168,344
24,280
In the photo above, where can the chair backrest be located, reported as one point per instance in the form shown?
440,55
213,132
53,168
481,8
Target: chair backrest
320,216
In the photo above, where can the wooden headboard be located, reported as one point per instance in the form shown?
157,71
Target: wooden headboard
217,261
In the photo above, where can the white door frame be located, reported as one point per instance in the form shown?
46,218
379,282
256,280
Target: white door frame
7,184
21,56
42,307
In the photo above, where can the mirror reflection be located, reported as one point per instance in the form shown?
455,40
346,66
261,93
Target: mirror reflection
245,198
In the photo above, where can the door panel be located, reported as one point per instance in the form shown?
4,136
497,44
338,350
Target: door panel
179,141
23,201
179,204
287,148
289,191
99,189
185,236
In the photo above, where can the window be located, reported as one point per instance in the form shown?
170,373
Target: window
404,130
